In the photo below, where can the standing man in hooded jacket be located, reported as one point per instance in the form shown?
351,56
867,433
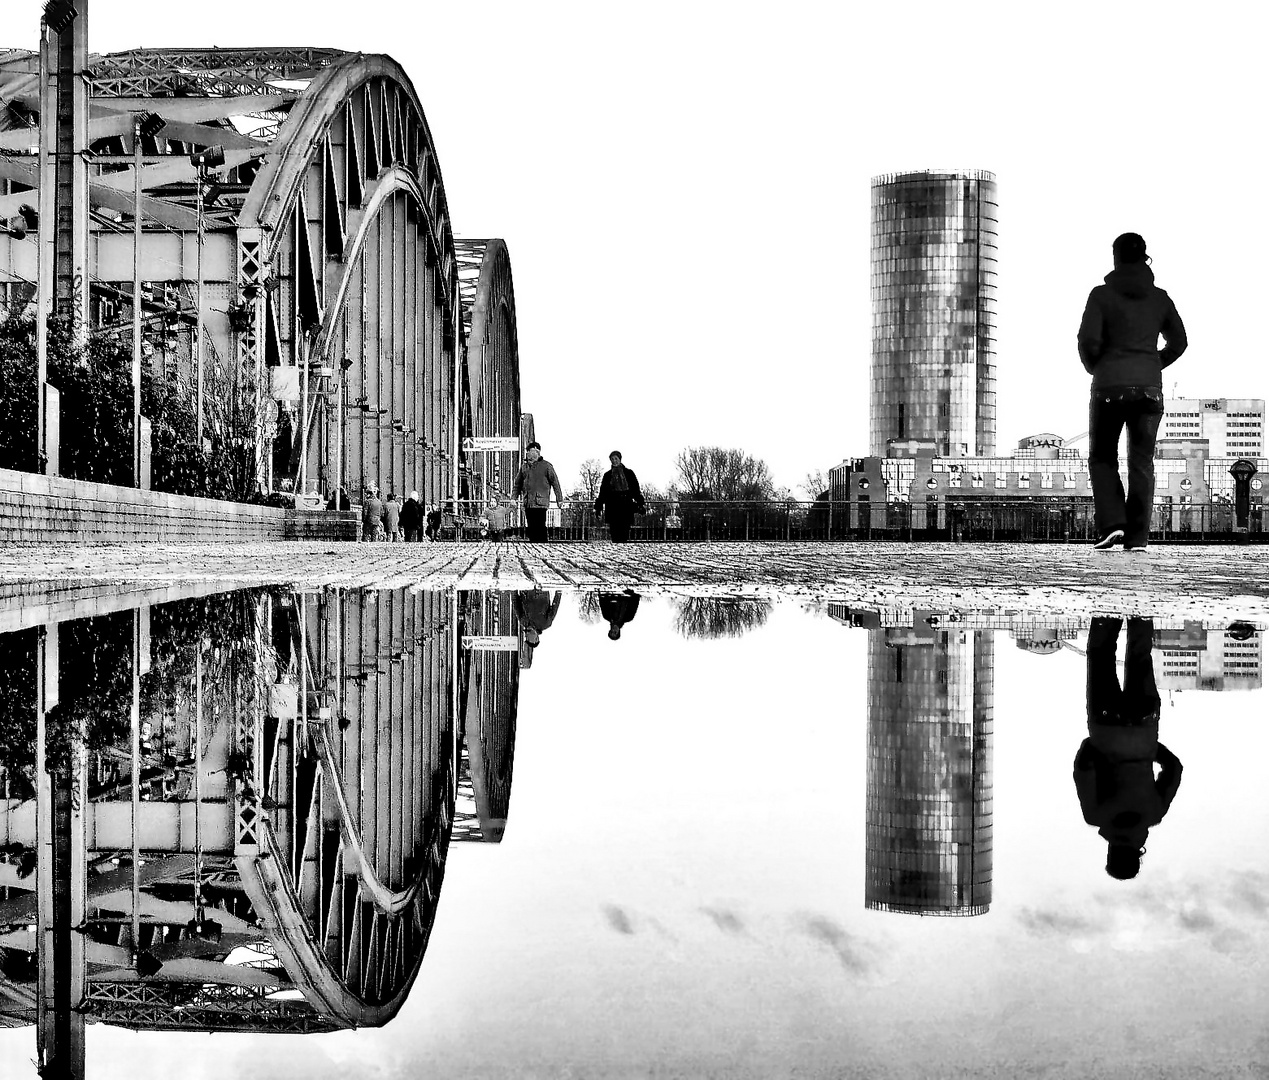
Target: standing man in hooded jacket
1119,347
535,481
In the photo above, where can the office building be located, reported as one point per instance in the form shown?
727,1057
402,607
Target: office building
933,288
929,801
1233,427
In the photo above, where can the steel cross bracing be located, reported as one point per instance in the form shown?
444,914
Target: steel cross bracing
161,72
342,746
330,279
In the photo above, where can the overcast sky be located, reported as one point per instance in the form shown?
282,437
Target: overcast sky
684,189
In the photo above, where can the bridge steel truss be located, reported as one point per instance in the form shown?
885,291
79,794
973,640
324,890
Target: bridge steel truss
330,275
309,816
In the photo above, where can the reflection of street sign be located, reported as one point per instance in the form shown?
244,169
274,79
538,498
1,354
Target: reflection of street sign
481,444
490,643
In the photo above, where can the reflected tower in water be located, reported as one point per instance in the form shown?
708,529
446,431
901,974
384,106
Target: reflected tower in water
929,796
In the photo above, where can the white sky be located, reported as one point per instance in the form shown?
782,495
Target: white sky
684,189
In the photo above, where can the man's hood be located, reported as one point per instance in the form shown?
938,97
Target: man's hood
1134,280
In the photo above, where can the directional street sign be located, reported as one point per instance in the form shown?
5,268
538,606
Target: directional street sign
489,643
481,444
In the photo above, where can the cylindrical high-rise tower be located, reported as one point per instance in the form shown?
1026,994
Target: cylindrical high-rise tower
930,719
934,312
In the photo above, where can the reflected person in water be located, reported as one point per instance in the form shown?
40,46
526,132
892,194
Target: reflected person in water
536,610
1114,768
618,609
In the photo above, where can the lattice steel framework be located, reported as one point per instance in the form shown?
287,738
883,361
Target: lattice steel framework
491,361
334,741
330,275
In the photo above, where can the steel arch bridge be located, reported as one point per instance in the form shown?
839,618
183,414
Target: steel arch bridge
315,270
303,804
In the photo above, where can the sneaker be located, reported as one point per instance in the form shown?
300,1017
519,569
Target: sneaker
1109,540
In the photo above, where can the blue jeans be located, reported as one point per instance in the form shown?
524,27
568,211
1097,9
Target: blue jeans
1109,412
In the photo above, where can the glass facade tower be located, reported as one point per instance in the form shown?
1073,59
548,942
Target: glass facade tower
929,803
934,312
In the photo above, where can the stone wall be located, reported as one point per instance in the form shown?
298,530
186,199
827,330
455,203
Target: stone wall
35,508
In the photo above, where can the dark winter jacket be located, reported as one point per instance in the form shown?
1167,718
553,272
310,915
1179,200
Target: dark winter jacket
1114,776
411,515
619,608
536,482
631,497
537,608
1119,334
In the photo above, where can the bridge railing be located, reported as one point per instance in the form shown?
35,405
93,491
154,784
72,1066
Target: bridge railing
936,519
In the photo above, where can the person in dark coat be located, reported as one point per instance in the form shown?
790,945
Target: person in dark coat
412,517
1114,768
1119,347
535,482
618,609
433,530
619,493
536,609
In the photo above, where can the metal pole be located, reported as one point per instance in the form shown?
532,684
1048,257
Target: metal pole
136,781
136,302
198,302
198,782
303,348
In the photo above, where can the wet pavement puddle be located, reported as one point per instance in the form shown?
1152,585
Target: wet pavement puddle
545,833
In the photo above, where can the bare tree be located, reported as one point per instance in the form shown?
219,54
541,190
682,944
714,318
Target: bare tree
719,616
588,479
815,484
712,472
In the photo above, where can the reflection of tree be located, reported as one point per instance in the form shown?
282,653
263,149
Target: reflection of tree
588,608
719,616
17,707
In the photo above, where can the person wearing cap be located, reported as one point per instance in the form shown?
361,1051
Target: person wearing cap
371,516
619,493
536,610
1119,346
412,517
535,482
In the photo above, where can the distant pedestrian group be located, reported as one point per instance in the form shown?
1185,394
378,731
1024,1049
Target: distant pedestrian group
391,520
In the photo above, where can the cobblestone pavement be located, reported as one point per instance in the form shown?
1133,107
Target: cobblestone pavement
1187,581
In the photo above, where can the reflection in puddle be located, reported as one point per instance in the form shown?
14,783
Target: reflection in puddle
233,812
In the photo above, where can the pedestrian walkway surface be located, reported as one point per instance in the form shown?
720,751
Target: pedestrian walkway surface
1191,581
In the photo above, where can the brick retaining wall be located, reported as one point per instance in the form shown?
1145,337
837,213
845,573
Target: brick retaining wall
36,508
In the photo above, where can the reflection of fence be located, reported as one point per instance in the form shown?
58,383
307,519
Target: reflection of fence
936,518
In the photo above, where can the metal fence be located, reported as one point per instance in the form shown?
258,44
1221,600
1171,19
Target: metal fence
934,519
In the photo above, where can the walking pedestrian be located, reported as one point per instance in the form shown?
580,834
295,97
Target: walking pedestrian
412,518
392,519
619,493
1119,347
371,516
433,531
1114,774
618,609
535,482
